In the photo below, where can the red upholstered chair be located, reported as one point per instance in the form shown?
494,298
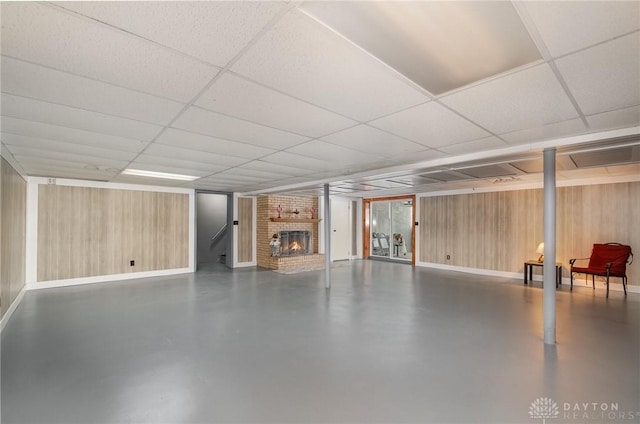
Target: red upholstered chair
606,260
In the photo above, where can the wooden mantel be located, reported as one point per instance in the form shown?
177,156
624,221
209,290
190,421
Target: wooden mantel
311,220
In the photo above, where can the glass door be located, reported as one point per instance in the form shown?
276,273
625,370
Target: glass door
391,229
380,229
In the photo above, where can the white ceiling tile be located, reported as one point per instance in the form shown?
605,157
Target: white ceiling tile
178,163
28,80
51,113
62,147
422,156
192,155
258,175
235,178
69,135
330,152
298,161
488,143
33,153
546,132
193,141
567,26
431,125
212,31
45,34
344,78
259,165
530,98
217,125
372,140
33,162
135,179
236,96
440,45
622,118
64,172
156,167
605,77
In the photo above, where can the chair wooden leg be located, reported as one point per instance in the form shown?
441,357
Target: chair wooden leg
593,281
607,285
624,285
571,278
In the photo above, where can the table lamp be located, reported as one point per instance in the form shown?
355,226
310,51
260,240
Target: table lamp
540,250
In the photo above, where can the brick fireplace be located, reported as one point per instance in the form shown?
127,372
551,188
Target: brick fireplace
268,224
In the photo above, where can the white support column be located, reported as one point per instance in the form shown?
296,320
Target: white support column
549,267
327,238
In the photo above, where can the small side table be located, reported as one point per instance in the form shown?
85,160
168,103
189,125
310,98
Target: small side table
528,269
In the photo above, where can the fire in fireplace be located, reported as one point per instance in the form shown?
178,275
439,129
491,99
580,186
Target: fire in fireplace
295,243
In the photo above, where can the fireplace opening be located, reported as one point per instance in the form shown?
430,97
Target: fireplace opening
295,243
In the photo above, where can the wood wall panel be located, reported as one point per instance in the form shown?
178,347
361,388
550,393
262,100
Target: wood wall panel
13,218
500,230
245,229
85,232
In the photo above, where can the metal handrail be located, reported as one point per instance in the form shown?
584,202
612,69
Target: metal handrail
218,235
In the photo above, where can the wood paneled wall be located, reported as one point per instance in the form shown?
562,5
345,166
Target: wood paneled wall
85,232
245,229
13,218
500,230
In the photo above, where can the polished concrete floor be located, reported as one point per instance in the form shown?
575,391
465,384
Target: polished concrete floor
388,343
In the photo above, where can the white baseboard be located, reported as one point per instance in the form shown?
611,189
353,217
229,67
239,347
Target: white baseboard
12,308
105,278
577,282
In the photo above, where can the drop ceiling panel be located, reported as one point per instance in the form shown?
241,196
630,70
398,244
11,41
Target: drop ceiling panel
488,143
344,79
385,184
217,125
168,169
193,141
431,125
488,171
193,155
61,165
413,180
44,34
604,157
446,176
546,132
37,82
31,153
567,26
605,77
367,139
422,156
79,174
622,118
177,163
211,31
51,113
530,98
442,45
134,179
69,135
298,161
330,152
236,96
283,170
62,147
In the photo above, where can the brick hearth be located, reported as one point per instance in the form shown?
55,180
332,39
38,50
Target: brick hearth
265,228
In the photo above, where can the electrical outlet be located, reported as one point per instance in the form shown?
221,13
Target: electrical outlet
132,263
448,257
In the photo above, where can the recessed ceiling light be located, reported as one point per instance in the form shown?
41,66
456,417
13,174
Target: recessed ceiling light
153,174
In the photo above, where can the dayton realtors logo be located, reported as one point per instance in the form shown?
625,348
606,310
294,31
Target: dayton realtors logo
544,408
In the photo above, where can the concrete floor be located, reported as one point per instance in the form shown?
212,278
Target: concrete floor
388,343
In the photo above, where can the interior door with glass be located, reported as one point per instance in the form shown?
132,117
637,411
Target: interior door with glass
380,229
391,229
